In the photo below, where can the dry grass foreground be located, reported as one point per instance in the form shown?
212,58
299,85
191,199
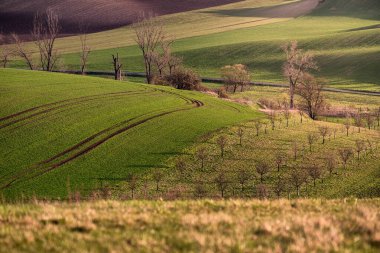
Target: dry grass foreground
348,225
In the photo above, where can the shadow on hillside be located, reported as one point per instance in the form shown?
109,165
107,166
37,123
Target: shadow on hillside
371,27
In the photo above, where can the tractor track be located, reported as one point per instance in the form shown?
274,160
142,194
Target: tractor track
60,104
80,148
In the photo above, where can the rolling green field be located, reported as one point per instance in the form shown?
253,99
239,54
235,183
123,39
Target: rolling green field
58,130
348,225
344,36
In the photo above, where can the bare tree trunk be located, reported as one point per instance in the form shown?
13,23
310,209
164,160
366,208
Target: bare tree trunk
117,66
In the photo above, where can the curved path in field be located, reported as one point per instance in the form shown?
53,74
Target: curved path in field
32,113
96,140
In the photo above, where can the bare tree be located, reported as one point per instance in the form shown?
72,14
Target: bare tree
360,146
262,168
46,30
240,133
298,178
272,118
132,183
221,182
311,92
296,65
21,51
201,155
330,163
280,158
369,120
279,186
157,177
258,124
222,143
235,76
334,130
347,123
311,139
315,172
323,131
85,50
200,189
262,191
117,66
358,120
345,154
243,176
149,37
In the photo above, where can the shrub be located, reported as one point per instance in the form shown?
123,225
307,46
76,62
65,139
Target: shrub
184,79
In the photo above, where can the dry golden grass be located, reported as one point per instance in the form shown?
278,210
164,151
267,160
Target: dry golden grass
348,225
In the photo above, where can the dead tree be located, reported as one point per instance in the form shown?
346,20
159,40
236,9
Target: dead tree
240,133
222,143
85,51
117,67
258,124
323,131
45,31
22,52
149,36
345,154
296,65
262,168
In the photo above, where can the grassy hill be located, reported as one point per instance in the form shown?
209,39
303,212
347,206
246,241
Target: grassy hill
192,226
344,35
58,129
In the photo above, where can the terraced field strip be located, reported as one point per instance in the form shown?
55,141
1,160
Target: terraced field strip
96,140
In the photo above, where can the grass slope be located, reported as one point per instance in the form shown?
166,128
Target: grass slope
192,226
84,130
